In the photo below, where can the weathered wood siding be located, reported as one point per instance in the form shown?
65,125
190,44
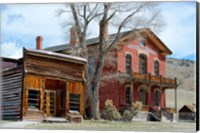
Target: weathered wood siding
75,88
11,90
53,68
32,82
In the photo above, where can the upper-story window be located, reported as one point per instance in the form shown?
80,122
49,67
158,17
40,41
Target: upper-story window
128,63
156,68
142,43
142,64
91,65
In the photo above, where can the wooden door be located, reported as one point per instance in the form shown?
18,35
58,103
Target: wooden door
49,103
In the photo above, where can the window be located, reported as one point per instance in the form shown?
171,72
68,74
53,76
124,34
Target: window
143,64
156,68
128,95
34,99
156,98
142,43
74,102
91,65
128,63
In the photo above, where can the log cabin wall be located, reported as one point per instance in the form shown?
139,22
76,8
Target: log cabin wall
11,94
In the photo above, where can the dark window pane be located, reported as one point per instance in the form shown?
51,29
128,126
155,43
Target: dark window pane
128,63
128,95
142,64
33,99
74,102
156,68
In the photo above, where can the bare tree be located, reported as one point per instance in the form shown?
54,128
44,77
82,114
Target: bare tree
122,16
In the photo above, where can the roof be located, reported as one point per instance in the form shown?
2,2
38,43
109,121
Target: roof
53,55
190,107
90,41
159,44
9,63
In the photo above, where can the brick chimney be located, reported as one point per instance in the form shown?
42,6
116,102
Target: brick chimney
106,30
39,42
74,40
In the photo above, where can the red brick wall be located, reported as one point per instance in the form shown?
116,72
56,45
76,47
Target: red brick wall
111,88
134,48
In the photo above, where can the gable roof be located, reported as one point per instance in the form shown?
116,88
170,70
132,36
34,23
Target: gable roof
158,43
190,107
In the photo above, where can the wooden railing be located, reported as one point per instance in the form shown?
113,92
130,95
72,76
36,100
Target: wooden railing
156,79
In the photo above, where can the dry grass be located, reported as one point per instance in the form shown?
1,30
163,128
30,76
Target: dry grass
117,126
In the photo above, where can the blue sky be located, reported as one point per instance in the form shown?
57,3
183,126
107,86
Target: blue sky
21,23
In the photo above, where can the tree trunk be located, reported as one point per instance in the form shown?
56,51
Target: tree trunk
95,88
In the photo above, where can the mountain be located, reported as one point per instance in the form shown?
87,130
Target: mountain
185,72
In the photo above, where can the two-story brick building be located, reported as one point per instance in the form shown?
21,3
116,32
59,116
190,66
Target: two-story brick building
134,69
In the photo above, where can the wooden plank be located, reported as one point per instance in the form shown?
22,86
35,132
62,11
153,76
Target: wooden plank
11,93
53,68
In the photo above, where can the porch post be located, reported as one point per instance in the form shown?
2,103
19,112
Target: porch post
132,92
175,100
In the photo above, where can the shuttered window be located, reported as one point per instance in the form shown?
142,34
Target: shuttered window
142,64
74,102
156,68
34,99
128,64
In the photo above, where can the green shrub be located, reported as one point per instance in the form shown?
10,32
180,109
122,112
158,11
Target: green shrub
132,111
127,115
136,107
110,112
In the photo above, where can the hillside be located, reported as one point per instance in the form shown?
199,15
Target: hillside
184,71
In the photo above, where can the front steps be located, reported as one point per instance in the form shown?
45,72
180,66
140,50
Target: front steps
33,116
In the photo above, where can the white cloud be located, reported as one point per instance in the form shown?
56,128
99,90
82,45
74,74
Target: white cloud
11,49
40,19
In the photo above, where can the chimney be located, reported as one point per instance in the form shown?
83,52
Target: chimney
39,42
74,40
106,30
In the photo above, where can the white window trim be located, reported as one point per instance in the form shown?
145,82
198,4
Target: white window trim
143,52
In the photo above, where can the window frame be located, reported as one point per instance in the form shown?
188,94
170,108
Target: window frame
128,95
156,68
157,103
143,64
128,57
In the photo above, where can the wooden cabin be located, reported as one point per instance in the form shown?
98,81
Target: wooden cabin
43,84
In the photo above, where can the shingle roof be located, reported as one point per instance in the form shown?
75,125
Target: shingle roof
95,40
90,41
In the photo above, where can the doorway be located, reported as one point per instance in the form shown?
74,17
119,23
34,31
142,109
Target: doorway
54,98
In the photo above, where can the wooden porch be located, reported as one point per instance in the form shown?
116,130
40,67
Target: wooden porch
167,82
